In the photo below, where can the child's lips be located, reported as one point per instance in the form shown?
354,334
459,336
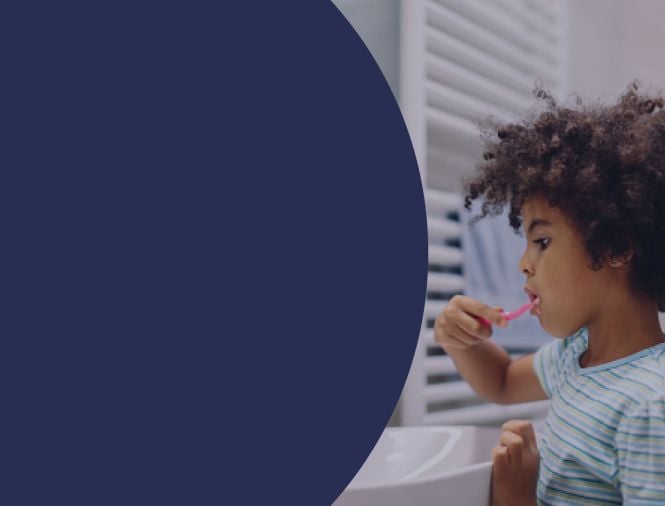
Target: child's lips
536,310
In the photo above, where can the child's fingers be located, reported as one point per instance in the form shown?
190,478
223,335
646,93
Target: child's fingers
466,337
517,426
522,428
477,308
514,445
450,334
455,328
472,326
500,462
510,439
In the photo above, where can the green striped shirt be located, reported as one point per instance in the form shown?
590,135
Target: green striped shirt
604,437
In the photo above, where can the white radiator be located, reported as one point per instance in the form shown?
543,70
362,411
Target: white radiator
460,61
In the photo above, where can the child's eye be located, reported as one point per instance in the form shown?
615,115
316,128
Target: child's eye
543,242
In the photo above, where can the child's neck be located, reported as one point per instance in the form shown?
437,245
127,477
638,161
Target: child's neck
626,325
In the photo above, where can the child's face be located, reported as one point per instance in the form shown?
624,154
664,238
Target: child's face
557,270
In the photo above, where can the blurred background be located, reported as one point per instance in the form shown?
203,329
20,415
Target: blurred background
451,63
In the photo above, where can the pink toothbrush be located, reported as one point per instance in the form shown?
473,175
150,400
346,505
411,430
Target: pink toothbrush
511,315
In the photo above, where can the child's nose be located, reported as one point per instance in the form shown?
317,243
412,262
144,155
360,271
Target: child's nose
525,266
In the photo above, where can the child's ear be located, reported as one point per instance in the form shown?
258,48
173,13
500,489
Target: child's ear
621,260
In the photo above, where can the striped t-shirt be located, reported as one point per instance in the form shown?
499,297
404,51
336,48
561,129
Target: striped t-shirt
604,438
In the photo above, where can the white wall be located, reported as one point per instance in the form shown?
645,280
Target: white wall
613,42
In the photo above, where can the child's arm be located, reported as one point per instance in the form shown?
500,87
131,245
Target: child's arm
484,365
495,377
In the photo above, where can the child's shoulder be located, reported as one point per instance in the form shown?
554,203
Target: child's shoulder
574,342
653,364
646,376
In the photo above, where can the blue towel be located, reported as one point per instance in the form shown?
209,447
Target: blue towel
491,265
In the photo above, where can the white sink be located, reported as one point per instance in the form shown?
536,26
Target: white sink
425,466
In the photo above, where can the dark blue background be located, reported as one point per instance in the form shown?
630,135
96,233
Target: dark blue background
214,253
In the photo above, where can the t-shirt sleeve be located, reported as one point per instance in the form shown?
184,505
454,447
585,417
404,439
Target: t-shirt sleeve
547,364
640,444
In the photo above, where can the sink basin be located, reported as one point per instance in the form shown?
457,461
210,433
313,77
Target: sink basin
423,466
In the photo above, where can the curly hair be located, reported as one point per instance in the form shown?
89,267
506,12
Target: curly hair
602,165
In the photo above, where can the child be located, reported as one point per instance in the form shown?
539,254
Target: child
588,186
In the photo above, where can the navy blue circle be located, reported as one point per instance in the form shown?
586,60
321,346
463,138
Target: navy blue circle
214,254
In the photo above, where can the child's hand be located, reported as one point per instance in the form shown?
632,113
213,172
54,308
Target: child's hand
458,327
515,464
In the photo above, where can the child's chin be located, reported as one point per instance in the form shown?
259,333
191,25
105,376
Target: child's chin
558,331
557,328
